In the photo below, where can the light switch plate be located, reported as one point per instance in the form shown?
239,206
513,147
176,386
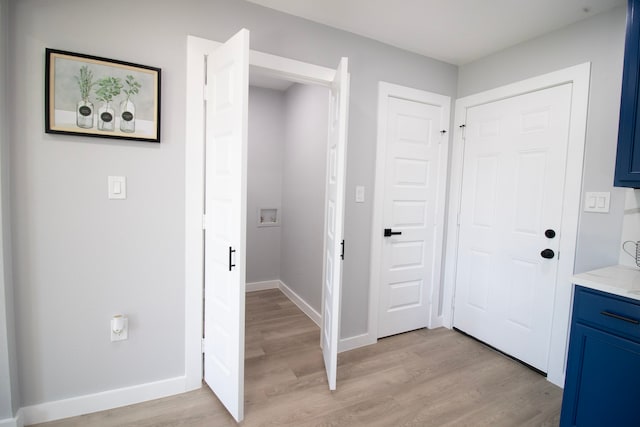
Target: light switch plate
359,193
597,201
117,187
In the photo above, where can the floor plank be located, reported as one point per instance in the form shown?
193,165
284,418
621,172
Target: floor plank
422,378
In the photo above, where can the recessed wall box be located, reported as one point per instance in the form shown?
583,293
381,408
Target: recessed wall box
268,217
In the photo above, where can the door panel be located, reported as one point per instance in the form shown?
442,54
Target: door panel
413,152
512,191
334,221
225,204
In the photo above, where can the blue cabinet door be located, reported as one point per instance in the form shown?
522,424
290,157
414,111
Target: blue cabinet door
602,386
627,173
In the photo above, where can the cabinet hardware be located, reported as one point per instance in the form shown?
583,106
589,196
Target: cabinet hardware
623,318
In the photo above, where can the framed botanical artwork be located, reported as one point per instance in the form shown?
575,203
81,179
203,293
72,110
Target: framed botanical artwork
91,96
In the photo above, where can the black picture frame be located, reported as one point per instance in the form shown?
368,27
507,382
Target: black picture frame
88,95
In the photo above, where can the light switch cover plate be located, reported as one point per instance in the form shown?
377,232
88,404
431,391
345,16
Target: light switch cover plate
597,201
360,194
117,187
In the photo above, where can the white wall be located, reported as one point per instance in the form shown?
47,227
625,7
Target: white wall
630,226
303,191
599,40
80,258
264,181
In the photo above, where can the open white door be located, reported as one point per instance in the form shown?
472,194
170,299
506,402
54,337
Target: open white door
334,214
227,92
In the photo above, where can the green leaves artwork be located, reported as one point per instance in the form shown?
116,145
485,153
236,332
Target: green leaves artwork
93,96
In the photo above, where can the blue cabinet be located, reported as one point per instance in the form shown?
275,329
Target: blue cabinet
602,385
627,173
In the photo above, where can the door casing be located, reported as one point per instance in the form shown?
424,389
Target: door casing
276,66
578,76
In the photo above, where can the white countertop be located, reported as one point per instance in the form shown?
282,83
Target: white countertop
617,279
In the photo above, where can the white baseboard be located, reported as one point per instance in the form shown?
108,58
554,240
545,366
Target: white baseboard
437,322
346,344
261,286
110,399
556,380
13,422
302,304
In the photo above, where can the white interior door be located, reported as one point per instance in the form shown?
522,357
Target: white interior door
515,157
225,203
334,213
411,250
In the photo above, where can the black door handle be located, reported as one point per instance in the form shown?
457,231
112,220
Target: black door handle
547,253
550,233
231,251
388,232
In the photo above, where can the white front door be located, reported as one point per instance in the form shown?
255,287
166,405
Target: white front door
334,214
225,204
411,237
515,154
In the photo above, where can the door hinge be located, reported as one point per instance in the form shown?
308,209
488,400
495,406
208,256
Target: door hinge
202,345
463,128
342,250
204,222
205,92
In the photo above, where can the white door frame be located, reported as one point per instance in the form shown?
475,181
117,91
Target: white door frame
579,76
386,91
277,66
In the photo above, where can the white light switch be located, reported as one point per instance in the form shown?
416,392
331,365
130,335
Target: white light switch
359,193
117,187
597,202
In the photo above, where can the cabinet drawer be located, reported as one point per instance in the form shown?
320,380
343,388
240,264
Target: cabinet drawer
605,311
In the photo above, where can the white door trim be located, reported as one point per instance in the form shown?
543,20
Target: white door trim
579,76
385,91
194,181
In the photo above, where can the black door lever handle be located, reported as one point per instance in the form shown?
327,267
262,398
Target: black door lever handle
388,232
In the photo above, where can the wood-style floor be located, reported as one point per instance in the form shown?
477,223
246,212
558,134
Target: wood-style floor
422,378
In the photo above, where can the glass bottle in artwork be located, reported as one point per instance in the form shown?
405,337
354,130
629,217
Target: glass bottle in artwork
127,107
84,107
108,88
106,117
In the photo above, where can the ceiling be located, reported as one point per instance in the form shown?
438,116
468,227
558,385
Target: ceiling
454,31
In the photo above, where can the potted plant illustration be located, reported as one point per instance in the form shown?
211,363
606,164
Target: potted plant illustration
84,107
127,107
108,88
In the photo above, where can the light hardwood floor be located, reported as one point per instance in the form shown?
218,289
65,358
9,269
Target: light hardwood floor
422,378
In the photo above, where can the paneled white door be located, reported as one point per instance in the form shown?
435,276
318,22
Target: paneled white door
414,143
225,235
515,156
334,214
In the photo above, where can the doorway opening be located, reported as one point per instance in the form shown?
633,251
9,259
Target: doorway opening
216,208
286,170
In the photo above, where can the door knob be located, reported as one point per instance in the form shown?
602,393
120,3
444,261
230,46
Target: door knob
388,232
550,233
547,253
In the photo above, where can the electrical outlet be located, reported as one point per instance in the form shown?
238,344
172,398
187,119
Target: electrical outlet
124,332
